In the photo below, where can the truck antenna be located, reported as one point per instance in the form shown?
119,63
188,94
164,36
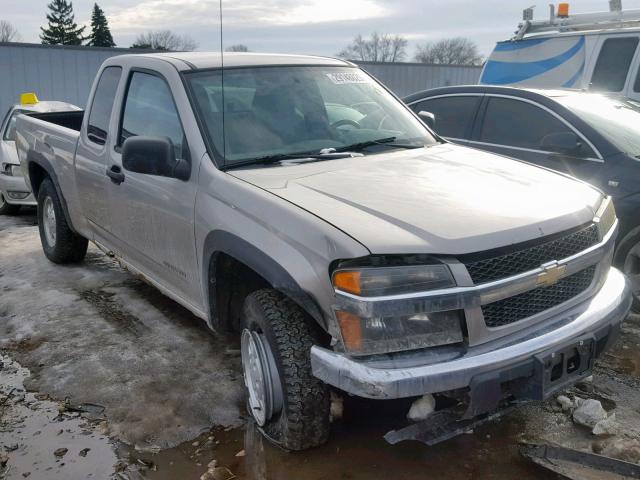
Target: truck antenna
224,137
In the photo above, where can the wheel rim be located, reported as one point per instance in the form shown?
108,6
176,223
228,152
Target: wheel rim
49,221
632,268
2,202
260,377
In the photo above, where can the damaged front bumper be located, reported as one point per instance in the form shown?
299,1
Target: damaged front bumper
518,356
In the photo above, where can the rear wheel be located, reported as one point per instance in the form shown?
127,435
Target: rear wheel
627,258
7,208
287,402
59,242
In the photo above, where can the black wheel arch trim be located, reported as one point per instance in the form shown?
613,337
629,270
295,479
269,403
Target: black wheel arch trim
227,243
35,158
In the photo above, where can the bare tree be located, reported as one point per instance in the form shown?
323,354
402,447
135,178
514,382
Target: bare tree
8,33
378,48
449,51
165,40
237,48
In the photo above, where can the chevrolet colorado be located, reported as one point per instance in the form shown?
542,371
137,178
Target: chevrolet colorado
296,201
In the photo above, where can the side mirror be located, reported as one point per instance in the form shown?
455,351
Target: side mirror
154,156
428,118
562,142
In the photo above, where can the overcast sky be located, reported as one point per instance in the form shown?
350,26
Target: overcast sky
320,27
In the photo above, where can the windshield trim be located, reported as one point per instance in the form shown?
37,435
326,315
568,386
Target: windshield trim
218,159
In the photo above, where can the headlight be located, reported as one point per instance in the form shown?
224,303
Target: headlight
12,170
375,282
605,216
367,336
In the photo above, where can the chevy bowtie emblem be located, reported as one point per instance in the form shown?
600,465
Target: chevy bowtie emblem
551,275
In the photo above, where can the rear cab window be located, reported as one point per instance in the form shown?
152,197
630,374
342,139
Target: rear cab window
100,115
612,67
454,114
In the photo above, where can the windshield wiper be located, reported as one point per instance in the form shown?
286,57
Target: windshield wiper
279,157
388,141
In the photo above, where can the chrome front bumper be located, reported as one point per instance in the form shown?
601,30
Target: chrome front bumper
15,187
406,376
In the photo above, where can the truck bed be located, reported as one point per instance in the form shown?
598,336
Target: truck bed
71,120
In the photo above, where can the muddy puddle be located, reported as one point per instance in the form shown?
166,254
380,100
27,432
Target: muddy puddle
356,451
41,439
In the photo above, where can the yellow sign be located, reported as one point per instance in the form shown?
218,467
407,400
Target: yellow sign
551,275
28,98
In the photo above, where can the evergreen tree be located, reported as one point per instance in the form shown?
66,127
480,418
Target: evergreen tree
62,28
100,33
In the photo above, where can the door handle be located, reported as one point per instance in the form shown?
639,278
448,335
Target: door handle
115,174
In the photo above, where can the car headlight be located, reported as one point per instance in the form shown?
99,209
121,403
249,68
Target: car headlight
374,335
376,282
605,217
12,170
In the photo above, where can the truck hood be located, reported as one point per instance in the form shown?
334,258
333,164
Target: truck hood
444,199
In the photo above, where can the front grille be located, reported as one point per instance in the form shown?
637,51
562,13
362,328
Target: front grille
523,259
527,304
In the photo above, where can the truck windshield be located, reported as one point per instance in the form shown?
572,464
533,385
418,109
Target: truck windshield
270,112
618,121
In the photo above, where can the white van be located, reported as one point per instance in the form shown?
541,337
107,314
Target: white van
590,51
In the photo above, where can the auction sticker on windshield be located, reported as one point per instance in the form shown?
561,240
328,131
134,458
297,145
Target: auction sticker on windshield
342,78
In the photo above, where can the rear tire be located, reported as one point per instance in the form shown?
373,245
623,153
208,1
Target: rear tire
60,243
7,208
298,403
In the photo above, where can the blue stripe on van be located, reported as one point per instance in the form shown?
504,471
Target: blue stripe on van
569,83
503,73
518,44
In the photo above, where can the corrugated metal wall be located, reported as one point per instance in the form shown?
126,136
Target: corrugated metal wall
406,78
54,73
66,73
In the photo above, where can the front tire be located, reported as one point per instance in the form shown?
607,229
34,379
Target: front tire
60,243
289,404
627,259
7,208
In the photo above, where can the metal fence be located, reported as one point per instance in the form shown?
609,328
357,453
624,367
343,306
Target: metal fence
406,78
66,73
53,72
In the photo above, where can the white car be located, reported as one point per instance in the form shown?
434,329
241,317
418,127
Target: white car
14,193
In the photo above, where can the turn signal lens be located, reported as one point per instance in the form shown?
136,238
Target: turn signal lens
351,327
347,281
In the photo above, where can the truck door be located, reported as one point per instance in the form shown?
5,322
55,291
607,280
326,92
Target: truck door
154,215
616,54
92,157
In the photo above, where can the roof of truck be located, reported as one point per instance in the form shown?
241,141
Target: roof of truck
203,60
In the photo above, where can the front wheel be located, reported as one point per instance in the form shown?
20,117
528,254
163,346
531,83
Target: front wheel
288,403
7,208
627,258
59,242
